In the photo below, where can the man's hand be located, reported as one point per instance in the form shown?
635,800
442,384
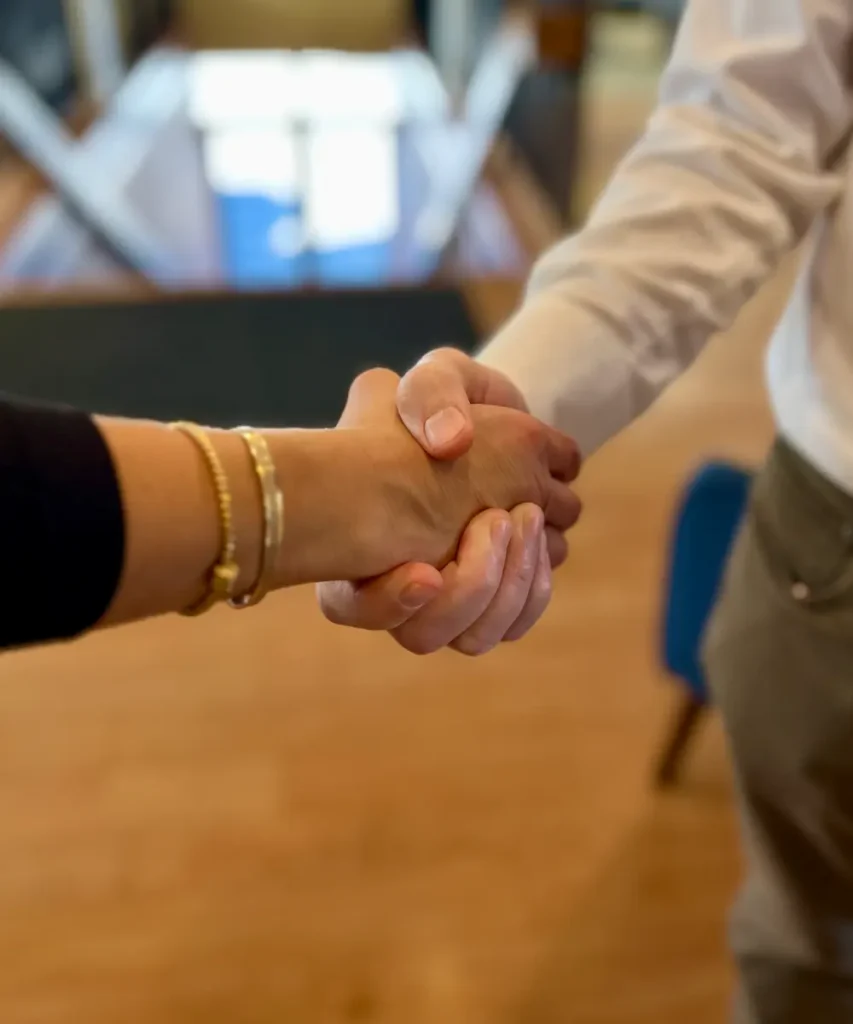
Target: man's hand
435,399
495,590
500,582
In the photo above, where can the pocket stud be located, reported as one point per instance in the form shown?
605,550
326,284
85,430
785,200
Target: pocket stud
801,591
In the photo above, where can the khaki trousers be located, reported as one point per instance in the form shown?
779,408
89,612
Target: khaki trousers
779,654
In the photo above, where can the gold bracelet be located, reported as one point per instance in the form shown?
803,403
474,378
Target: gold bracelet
272,500
223,576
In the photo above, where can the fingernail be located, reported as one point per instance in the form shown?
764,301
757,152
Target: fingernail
415,596
444,427
533,522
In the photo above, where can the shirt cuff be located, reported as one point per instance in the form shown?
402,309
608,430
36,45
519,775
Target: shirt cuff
572,373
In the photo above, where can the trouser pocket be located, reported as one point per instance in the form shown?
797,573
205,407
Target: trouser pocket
803,529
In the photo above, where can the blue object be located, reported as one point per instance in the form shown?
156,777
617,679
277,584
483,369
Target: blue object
248,223
707,522
261,241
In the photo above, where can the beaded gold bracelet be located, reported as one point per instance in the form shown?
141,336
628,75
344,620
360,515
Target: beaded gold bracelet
223,576
272,501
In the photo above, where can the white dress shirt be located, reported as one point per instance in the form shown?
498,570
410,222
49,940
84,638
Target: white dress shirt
747,154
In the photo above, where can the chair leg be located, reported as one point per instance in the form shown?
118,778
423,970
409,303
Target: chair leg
686,720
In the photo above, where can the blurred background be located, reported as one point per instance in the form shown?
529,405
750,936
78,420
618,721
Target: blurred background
224,210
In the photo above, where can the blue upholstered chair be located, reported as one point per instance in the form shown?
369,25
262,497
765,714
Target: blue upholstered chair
706,524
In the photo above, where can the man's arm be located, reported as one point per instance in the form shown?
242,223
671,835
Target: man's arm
735,165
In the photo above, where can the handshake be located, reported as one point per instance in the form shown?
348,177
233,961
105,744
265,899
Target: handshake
445,499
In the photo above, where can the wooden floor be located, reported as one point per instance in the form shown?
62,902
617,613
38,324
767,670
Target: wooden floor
262,819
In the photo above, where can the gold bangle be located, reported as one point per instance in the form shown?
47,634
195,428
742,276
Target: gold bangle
272,500
223,575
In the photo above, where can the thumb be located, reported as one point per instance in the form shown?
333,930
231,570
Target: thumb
433,403
383,603
434,400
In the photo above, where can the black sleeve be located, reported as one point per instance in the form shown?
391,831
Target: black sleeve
61,524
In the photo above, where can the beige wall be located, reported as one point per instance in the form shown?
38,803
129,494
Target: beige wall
365,25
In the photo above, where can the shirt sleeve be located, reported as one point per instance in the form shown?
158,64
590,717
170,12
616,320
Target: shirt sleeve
61,524
736,163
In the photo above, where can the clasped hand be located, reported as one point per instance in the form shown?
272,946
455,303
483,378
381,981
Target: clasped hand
476,502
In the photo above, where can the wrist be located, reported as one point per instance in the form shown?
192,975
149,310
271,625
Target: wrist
326,493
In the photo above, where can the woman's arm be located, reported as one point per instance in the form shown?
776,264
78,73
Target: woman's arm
117,520
172,522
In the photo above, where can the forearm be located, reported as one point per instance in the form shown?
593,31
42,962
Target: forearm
109,521
172,520
733,168
171,517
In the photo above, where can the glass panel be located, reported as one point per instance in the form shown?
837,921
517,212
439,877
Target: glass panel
353,203
254,175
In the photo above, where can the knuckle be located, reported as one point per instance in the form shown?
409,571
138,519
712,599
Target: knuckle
473,646
332,606
446,353
526,571
542,590
525,583
521,628
492,580
534,432
374,376
421,649
418,642
515,431
568,513
415,386
517,585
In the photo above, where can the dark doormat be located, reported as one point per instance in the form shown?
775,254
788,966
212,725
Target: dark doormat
283,360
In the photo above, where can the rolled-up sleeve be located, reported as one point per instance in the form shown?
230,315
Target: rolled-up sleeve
735,164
